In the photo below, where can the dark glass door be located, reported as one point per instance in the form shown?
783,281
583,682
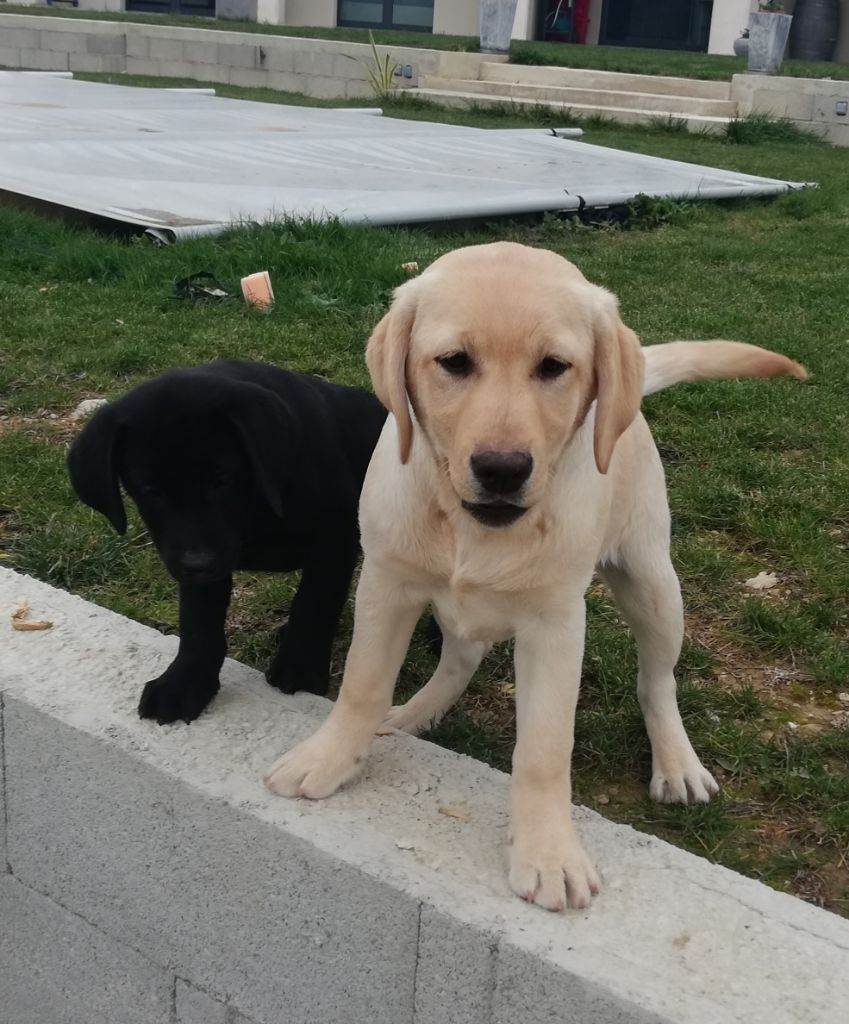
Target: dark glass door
202,8
413,15
660,24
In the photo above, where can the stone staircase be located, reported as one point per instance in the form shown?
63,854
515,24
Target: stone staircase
629,99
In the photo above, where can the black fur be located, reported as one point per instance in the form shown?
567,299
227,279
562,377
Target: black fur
236,465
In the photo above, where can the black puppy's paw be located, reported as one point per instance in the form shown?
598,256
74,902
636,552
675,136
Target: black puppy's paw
292,678
177,696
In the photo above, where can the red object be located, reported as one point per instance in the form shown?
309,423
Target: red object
580,20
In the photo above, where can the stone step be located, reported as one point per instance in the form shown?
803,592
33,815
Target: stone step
572,96
608,80
711,124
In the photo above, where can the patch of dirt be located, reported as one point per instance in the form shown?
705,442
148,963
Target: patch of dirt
43,424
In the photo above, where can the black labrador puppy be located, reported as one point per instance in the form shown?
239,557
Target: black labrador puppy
236,465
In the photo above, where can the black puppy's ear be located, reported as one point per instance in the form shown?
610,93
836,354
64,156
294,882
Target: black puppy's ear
93,467
264,423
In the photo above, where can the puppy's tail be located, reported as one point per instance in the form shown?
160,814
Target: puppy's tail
677,361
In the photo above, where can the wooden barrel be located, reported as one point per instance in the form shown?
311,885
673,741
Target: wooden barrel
813,34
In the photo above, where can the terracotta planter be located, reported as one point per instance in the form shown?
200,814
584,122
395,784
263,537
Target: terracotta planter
767,41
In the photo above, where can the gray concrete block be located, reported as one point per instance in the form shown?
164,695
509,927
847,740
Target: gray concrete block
209,73
360,91
102,62
10,56
243,910
63,42
311,62
196,1007
143,66
181,69
137,42
238,55
22,38
349,68
285,81
278,58
248,78
324,88
44,60
100,43
55,968
165,49
455,976
538,993
200,53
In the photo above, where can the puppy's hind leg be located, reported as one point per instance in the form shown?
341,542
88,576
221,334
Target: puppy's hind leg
647,593
458,662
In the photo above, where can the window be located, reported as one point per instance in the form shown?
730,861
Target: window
415,15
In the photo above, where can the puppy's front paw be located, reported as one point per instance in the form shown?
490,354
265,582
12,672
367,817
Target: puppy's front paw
177,695
289,677
549,867
678,777
315,768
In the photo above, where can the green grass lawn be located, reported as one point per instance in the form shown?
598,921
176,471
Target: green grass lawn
636,60
758,471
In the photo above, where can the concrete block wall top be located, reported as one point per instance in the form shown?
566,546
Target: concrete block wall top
671,937
153,41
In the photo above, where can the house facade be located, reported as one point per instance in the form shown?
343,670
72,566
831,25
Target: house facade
698,25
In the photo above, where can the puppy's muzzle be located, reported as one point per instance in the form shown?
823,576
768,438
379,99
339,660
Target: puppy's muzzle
500,477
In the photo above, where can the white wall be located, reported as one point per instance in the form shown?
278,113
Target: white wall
729,18
321,13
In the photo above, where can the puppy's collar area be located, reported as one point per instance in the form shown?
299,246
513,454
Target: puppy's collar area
494,513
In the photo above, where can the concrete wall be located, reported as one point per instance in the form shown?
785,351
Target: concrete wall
149,878
809,103
315,67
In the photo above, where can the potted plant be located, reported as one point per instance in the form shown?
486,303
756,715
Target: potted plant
769,28
741,43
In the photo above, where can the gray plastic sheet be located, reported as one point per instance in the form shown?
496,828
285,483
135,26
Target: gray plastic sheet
186,162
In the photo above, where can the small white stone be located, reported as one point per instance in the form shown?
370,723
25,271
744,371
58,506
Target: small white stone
87,406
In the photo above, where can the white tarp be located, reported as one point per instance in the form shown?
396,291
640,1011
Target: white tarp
188,162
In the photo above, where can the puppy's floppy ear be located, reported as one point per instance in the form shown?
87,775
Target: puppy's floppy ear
619,367
386,358
265,423
93,467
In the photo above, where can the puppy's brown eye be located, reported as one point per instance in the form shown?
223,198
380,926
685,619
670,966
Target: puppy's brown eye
458,364
550,368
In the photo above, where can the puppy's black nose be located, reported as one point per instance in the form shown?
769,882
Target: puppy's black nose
502,472
196,561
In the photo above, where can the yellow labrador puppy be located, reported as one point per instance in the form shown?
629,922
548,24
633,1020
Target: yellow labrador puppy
515,463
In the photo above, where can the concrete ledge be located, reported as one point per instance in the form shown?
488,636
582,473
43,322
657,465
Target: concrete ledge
371,906
317,67
810,103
